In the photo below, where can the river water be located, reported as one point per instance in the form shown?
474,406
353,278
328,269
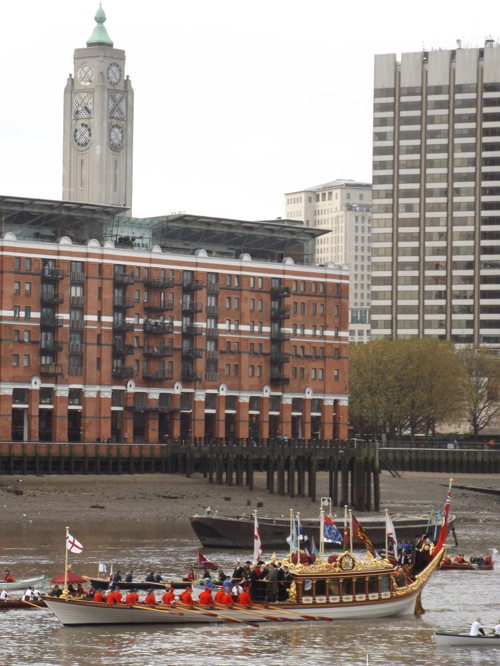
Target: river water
452,600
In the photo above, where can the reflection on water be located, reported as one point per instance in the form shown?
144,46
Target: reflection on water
452,600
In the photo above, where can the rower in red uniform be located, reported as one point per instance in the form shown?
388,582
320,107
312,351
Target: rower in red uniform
117,595
99,597
206,597
8,577
244,599
150,598
186,597
110,599
168,597
227,599
132,598
220,595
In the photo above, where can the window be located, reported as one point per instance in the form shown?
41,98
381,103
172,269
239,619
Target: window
17,287
336,375
15,360
251,370
15,335
26,336
236,303
16,311
252,282
17,264
137,295
26,360
236,280
228,302
252,304
27,288
27,312
313,373
236,325
227,370
260,305
236,370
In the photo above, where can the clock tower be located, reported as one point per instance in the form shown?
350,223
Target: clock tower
98,124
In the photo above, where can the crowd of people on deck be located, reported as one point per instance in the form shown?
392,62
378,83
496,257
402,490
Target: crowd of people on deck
416,554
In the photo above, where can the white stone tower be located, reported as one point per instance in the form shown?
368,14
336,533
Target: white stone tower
98,124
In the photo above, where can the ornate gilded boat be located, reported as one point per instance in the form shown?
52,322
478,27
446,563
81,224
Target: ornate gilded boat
348,588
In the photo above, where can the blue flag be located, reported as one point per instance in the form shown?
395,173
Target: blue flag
331,531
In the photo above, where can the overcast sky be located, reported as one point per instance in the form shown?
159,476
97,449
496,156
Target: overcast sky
236,102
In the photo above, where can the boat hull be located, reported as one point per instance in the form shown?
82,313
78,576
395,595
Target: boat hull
17,604
461,640
466,566
237,532
23,583
87,612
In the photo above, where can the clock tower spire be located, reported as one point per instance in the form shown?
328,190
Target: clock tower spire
98,124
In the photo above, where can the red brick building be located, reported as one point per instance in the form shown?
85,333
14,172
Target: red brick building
125,329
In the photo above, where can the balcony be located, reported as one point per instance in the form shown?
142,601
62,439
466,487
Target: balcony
75,371
191,329
153,283
156,327
123,303
191,308
158,351
123,279
157,375
212,310
212,376
212,332
50,346
50,369
50,321
76,301
190,376
279,379
213,287
280,357
192,285
76,347
159,306
122,326
77,278
120,349
280,336
191,352
122,372
76,324
280,313
280,292
51,298
212,354
50,274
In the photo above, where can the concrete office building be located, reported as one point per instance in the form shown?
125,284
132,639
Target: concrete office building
342,210
127,329
436,195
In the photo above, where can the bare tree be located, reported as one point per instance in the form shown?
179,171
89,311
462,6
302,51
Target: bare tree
482,387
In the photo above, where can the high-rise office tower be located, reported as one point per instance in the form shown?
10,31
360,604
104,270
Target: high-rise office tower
342,208
436,195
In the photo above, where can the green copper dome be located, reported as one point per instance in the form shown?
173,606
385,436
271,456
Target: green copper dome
100,35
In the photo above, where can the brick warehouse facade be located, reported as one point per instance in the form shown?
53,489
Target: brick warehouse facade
108,333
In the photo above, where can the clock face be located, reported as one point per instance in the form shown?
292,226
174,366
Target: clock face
83,104
116,137
85,75
116,105
81,135
114,73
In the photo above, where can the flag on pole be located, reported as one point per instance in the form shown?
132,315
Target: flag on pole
391,534
292,540
73,545
102,567
443,532
204,562
331,531
302,538
257,544
359,531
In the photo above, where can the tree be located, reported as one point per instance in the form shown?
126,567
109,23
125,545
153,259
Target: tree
481,387
401,386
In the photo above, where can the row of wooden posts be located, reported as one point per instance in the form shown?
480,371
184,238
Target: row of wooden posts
290,468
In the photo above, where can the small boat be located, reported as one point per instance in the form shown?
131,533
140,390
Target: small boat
466,566
461,640
347,588
16,603
237,531
23,583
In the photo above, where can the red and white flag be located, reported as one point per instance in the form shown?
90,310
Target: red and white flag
257,544
443,532
391,534
73,545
